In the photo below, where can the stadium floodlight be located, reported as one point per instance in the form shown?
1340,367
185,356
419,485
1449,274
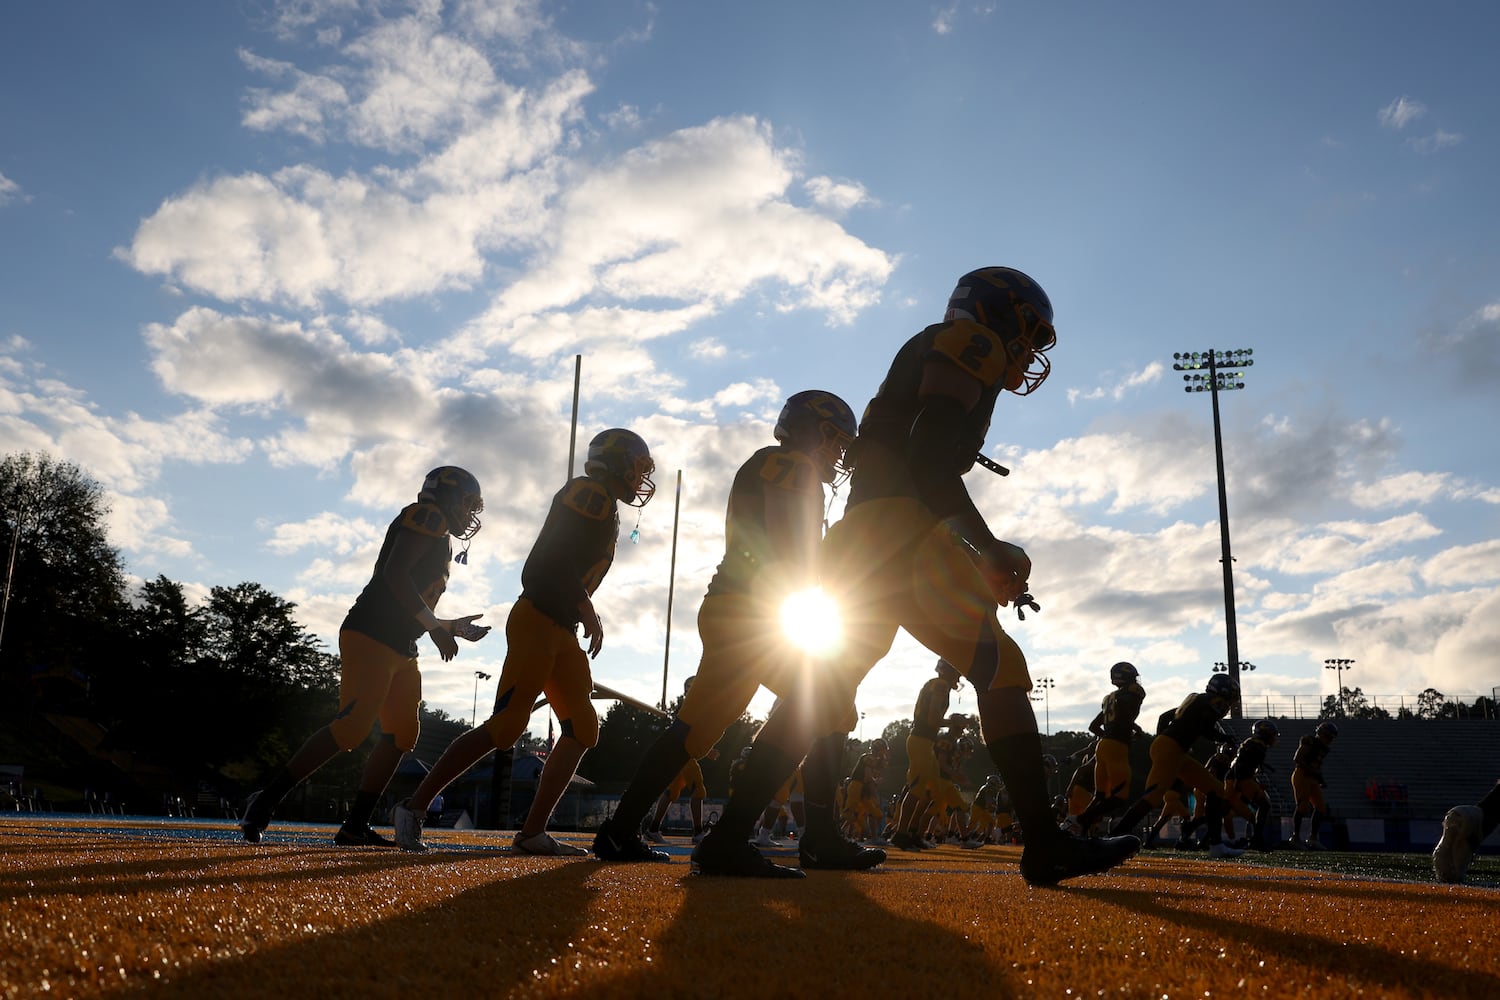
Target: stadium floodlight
479,675
1339,666
1214,371
1046,684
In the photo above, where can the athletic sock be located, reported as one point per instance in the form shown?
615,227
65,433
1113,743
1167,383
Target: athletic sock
361,811
820,782
657,769
272,794
1019,759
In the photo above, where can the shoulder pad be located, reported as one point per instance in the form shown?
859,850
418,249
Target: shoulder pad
589,498
976,349
786,469
424,519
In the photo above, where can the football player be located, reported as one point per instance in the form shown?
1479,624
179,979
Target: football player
1115,726
1198,717
1464,827
861,816
1248,798
922,772
773,526
1308,784
568,561
378,674
912,550
1173,804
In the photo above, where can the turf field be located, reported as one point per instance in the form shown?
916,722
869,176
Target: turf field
184,908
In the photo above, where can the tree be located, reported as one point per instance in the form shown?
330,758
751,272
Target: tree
64,588
272,685
1431,704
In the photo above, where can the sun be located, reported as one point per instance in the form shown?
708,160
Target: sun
810,619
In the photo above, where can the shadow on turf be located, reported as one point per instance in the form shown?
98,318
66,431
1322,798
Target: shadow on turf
1315,945
549,932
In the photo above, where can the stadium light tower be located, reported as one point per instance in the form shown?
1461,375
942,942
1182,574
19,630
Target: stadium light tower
479,675
1046,684
1340,666
1213,372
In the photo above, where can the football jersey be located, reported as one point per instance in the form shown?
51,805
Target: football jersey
378,612
1310,754
573,551
932,708
880,450
1119,710
1196,718
748,548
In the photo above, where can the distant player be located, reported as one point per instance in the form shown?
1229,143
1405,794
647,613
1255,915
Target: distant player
1248,797
1198,717
569,559
378,675
1115,726
690,781
922,770
1308,784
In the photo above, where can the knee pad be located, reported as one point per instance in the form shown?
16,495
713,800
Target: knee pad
352,725
584,727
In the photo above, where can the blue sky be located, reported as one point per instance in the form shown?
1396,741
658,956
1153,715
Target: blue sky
262,265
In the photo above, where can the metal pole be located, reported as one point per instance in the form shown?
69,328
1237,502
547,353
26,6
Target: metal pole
573,431
666,656
1230,632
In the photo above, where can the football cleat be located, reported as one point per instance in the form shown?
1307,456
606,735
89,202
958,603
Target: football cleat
1065,857
545,845
365,836
408,824
1222,850
737,860
838,853
253,823
655,836
611,845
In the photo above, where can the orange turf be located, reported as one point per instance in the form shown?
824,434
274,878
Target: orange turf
92,908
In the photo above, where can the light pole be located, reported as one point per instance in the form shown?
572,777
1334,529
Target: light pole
1207,375
479,675
1339,666
1046,684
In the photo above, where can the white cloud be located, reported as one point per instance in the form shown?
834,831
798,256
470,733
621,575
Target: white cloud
1401,112
1464,565
10,191
1432,143
1149,375
837,196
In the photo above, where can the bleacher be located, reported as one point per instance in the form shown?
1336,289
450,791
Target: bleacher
1391,779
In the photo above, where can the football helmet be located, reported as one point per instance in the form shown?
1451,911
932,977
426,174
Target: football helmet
1123,673
623,455
1326,731
880,748
1016,308
965,746
822,425
1265,730
947,672
454,492
1223,686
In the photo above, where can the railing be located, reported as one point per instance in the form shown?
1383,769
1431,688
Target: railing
1458,706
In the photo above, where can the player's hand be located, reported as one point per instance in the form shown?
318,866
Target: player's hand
1006,569
593,628
464,628
443,639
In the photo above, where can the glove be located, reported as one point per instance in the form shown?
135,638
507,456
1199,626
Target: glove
1006,569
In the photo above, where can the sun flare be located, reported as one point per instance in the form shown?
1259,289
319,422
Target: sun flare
810,619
